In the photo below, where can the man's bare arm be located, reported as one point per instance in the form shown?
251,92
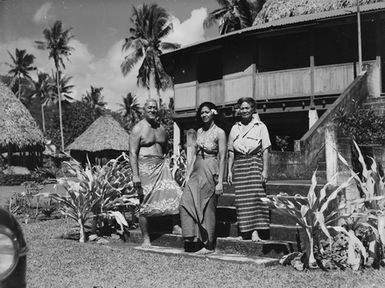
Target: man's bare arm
134,152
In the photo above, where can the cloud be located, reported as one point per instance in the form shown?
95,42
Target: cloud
42,14
190,30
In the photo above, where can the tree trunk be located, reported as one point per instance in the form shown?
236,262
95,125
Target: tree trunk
159,99
60,112
82,238
18,92
9,154
149,92
43,117
310,249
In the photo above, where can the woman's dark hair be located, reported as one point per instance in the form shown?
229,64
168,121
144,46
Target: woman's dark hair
210,106
249,101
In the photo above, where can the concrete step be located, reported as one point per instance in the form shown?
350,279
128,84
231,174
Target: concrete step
216,256
226,245
375,101
271,248
279,232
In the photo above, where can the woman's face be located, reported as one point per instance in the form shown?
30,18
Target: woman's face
245,110
206,115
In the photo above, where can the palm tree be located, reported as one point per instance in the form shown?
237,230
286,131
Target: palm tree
41,90
56,41
94,98
65,88
232,15
21,66
151,24
130,109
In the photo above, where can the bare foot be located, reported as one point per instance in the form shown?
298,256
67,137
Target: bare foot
255,237
146,243
177,230
204,251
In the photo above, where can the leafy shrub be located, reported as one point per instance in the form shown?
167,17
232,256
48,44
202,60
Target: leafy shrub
178,167
363,125
360,239
97,193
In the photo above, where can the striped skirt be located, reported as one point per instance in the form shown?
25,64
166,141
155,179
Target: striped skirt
252,213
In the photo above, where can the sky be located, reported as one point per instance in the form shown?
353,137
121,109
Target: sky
99,27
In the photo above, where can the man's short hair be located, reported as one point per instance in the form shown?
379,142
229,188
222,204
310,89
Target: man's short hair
151,100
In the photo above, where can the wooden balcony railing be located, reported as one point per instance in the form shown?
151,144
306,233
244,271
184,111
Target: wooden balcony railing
291,83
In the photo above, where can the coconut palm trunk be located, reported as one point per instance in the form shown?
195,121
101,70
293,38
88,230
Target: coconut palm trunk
18,92
60,110
43,117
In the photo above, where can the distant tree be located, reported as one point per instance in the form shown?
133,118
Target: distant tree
21,66
94,98
41,90
65,88
232,15
130,110
150,25
77,116
56,40
165,118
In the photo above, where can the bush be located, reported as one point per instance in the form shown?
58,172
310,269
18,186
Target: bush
359,241
363,125
97,194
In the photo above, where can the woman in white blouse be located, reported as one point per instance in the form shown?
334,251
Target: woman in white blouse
248,171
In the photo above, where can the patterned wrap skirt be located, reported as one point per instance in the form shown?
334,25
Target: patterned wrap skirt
252,213
198,203
161,194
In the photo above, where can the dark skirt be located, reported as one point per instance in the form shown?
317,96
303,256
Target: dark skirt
252,213
198,203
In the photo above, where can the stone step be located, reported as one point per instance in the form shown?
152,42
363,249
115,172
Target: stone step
216,256
226,245
375,101
279,232
267,248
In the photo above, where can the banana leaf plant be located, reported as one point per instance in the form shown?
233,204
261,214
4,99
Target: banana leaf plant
313,213
369,211
96,192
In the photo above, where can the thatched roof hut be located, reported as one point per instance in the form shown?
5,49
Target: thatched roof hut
278,9
104,138
17,126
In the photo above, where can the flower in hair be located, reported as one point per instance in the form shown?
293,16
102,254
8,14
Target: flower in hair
215,112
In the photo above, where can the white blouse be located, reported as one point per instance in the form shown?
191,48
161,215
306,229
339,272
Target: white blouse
246,139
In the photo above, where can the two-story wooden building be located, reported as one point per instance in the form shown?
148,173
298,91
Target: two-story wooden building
294,67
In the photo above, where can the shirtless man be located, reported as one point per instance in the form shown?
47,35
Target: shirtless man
148,141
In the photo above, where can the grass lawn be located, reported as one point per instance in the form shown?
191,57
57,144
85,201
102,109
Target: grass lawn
66,263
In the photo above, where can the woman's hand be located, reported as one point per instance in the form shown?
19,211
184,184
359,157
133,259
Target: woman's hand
219,188
230,178
264,176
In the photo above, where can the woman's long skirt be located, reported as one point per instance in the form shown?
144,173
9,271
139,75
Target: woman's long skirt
198,203
252,213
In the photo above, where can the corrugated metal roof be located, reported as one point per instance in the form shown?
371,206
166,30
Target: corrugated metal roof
293,20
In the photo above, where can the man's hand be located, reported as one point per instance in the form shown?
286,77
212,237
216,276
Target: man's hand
138,186
219,189
136,181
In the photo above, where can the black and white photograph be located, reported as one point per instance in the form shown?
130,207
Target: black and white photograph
192,143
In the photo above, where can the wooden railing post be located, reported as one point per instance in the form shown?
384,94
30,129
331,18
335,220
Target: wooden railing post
331,153
191,140
176,139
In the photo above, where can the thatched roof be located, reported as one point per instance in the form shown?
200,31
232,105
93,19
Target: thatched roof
278,9
104,134
17,126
